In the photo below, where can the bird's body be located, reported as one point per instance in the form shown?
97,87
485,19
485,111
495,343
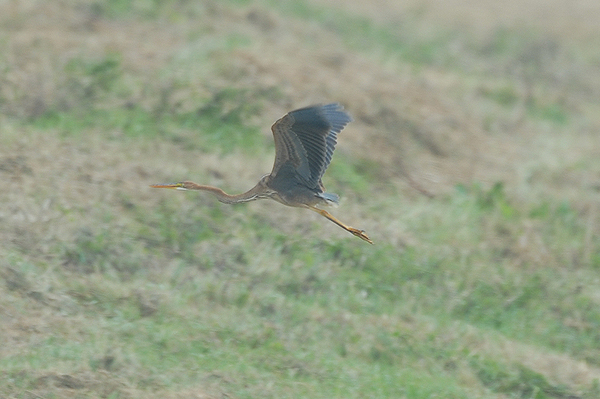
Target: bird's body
304,143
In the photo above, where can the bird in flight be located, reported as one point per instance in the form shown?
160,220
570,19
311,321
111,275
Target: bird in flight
304,144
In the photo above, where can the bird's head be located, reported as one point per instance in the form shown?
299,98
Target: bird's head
182,185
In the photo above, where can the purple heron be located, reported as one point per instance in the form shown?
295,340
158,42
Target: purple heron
304,144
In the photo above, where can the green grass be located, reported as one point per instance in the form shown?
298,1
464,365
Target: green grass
391,40
505,96
516,381
111,289
320,318
143,9
210,127
552,112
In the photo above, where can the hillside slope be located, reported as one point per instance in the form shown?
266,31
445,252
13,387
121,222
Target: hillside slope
473,162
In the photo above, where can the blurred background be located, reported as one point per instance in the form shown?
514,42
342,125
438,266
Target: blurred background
473,162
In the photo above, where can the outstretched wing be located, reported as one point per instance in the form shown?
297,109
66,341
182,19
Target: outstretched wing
306,138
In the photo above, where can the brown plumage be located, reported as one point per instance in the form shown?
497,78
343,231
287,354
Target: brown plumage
304,144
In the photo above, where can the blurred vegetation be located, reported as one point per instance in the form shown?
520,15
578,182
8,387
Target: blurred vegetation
486,290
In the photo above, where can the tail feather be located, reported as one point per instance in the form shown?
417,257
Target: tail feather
331,198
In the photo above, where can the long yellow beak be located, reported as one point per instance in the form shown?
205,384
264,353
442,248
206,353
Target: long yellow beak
175,186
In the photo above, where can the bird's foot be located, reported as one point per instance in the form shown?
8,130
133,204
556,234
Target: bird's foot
360,234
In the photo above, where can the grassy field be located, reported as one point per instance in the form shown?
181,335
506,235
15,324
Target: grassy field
473,163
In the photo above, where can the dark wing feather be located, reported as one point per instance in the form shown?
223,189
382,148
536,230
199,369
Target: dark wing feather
306,138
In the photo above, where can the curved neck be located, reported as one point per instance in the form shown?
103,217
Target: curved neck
256,192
